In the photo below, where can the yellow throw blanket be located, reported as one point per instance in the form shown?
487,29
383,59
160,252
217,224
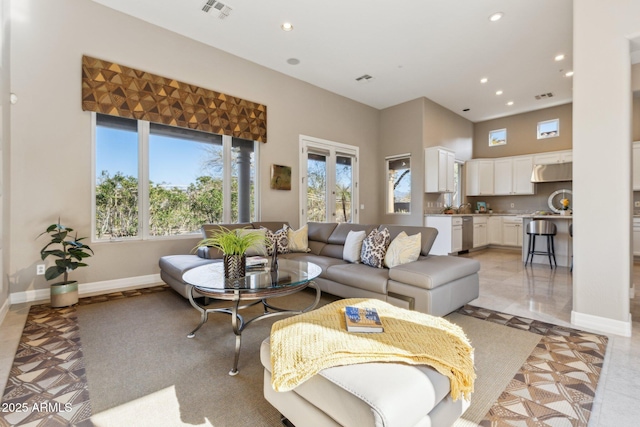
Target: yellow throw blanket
303,345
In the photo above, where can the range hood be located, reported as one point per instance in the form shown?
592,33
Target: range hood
553,172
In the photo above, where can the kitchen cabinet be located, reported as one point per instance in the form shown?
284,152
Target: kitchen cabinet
512,176
449,238
479,181
636,236
439,164
480,237
636,166
494,230
512,231
553,157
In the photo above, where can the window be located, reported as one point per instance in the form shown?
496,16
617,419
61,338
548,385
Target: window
549,129
154,180
399,184
455,198
497,137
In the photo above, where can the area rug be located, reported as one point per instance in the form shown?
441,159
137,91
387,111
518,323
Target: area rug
135,364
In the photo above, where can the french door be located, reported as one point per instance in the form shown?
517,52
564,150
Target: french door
329,181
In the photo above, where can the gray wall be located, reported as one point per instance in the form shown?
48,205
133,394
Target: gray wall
410,128
522,133
50,134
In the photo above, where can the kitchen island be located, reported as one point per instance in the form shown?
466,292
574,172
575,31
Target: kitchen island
562,240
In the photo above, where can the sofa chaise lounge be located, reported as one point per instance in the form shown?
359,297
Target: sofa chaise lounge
433,284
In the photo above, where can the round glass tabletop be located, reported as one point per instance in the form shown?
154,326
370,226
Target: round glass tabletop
290,273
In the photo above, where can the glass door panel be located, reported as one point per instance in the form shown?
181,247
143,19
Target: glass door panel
344,189
317,187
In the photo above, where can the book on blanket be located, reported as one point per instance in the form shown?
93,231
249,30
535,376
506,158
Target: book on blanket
362,319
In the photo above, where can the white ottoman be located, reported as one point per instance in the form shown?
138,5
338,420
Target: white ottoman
370,394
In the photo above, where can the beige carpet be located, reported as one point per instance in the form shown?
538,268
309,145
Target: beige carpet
141,364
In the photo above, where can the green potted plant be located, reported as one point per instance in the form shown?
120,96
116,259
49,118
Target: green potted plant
234,245
70,253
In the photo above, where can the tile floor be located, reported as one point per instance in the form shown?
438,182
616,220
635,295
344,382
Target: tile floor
505,285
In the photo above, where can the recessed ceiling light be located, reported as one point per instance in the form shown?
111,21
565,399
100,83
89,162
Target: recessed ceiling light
498,92
568,74
293,61
287,26
484,80
496,16
559,57
510,103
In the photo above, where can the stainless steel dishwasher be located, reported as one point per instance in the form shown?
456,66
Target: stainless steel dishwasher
467,233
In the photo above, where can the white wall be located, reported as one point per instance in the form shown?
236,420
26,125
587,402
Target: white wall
602,163
51,136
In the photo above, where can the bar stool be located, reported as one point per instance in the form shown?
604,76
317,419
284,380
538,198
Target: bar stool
541,228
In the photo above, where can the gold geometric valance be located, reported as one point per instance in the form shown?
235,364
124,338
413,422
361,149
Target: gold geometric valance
117,90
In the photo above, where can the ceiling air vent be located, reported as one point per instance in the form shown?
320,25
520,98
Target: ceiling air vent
221,7
364,78
544,95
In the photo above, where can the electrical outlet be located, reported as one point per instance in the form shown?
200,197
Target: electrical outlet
361,207
513,205
40,269
636,204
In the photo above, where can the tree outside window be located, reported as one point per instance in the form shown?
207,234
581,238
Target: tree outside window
399,184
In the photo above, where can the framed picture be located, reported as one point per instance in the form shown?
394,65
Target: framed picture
280,177
497,137
549,129
481,207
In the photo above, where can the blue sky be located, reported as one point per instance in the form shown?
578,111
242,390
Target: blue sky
176,164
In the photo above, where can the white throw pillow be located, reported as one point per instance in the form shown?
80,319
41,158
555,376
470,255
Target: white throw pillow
298,239
403,249
259,248
353,246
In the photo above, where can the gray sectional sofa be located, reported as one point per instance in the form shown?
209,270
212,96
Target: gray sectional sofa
433,284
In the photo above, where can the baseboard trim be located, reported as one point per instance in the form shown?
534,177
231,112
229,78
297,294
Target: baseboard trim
602,324
89,289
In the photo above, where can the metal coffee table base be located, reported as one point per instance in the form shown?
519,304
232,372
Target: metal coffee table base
237,321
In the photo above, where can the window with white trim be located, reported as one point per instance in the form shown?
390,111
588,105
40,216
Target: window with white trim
154,180
399,184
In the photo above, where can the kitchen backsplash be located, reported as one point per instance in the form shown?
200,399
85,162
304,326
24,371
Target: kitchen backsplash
434,203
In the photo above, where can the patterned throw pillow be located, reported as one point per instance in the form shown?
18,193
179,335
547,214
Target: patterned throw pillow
403,249
374,247
298,239
278,239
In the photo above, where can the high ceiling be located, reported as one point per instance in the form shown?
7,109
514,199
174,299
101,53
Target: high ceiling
439,49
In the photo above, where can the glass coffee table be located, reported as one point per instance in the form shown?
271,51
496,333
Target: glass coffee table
255,288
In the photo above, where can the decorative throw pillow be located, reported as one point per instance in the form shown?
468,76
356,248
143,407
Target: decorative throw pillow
298,239
374,247
353,246
403,249
278,240
259,248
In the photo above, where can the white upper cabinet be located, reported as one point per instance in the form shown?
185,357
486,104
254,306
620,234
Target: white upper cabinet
503,176
553,157
479,181
513,176
522,169
439,163
636,165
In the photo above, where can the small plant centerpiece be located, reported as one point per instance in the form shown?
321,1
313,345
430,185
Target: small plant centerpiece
234,245
71,253
565,203
449,210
